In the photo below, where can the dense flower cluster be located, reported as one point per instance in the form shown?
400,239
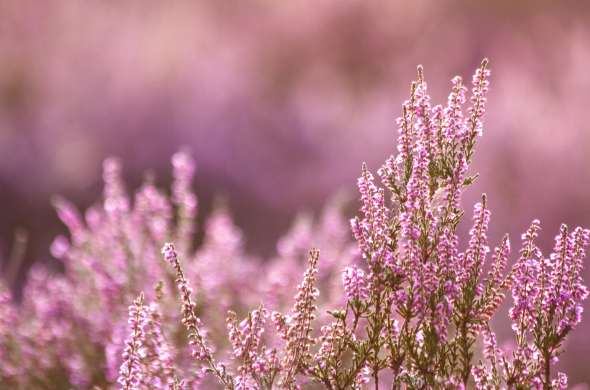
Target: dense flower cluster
411,316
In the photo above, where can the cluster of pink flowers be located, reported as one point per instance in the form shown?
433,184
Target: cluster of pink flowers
411,315
548,295
70,329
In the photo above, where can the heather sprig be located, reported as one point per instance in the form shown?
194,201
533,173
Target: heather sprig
131,373
548,295
297,332
160,365
201,350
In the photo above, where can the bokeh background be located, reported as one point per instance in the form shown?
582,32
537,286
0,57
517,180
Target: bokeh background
280,102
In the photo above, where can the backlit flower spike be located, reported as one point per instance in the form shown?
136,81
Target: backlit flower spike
579,291
406,139
413,212
525,271
438,130
417,220
425,127
201,350
299,323
454,129
500,258
131,373
160,365
477,110
496,282
246,338
565,292
454,188
372,231
355,283
477,249
389,175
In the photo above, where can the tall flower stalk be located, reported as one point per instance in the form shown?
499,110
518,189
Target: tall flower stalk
131,372
201,350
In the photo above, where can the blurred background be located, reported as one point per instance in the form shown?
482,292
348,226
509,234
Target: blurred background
280,103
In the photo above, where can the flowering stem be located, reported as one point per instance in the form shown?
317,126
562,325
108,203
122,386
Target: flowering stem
191,321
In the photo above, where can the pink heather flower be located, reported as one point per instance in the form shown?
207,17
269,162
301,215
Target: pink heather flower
355,283
491,350
131,373
116,201
184,199
478,99
453,113
499,262
477,249
496,282
224,288
183,172
201,350
246,341
114,349
59,247
424,122
68,214
192,323
153,209
565,292
331,336
417,199
560,383
548,296
161,367
280,322
362,378
454,186
372,231
405,146
388,173
477,110
298,324
524,287
482,377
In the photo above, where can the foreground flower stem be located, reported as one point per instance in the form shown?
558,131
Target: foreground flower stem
192,323
130,374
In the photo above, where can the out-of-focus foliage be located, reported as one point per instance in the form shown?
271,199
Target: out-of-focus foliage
71,326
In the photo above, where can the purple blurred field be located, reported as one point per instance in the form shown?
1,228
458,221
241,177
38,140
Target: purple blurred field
281,103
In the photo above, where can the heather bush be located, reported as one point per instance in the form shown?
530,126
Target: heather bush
71,327
412,309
